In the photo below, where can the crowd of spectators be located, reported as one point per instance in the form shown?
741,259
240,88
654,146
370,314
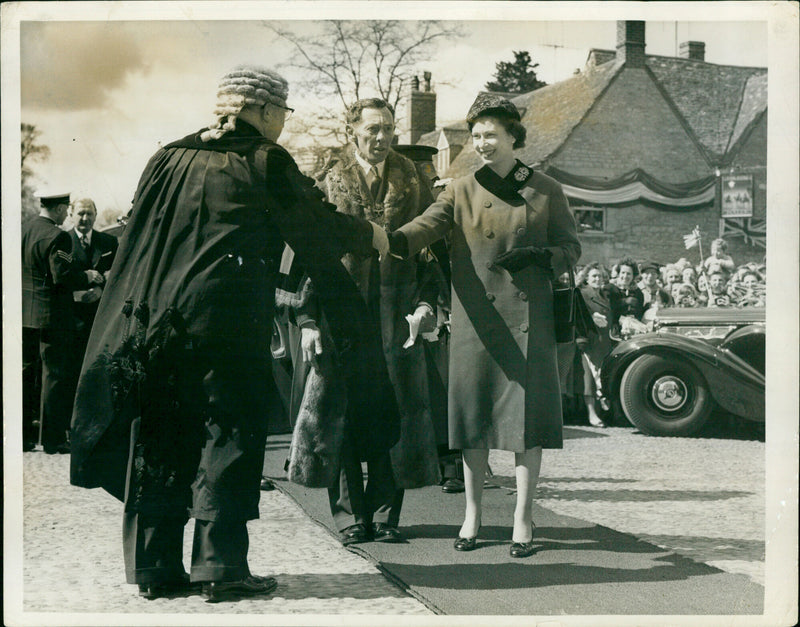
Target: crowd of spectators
625,298
716,282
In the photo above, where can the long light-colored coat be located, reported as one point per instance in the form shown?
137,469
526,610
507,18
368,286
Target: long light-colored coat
503,388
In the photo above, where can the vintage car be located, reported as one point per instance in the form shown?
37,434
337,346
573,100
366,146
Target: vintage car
668,381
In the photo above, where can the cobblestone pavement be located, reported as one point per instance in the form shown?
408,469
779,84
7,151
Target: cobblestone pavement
700,497
67,570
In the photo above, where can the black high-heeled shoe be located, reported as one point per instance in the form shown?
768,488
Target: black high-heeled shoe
523,549
467,544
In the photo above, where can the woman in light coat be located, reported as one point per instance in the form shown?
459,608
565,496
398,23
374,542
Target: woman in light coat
511,229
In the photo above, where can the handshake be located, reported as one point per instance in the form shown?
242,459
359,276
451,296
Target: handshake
393,243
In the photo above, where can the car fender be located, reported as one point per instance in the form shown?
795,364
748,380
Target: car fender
734,384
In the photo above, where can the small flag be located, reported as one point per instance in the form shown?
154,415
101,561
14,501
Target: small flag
691,240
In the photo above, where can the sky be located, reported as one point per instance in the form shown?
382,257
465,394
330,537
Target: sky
105,93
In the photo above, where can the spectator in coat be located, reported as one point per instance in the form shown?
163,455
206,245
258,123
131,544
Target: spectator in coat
170,415
92,250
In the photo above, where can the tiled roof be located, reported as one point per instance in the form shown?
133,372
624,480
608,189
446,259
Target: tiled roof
754,101
709,96
718,103
550,115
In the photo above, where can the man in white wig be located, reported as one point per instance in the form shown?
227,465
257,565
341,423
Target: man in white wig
171,409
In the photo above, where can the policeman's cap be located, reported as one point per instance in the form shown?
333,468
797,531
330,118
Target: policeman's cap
51,201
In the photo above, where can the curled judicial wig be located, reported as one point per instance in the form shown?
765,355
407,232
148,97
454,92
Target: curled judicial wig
245,85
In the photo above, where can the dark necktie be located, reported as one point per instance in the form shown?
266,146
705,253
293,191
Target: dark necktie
85,243
374,182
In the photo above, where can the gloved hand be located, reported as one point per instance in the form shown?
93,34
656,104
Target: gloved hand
516,259
380,241
310,342
421,322
600,320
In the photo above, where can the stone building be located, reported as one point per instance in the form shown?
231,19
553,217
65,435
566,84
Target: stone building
647,147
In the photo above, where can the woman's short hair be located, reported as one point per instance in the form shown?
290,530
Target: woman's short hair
583,275
513,127
627,261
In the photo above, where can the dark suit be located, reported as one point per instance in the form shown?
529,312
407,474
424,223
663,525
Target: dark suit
48,277
98,256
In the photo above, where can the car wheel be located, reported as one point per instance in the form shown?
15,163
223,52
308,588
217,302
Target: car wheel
664,396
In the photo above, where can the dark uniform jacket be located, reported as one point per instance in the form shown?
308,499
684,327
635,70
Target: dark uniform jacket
48,276
198,263
99,256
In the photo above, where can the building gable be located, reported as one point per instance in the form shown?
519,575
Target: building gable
632,126
709,97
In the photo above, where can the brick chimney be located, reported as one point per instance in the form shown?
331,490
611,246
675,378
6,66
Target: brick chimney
421,111
693,50
630,43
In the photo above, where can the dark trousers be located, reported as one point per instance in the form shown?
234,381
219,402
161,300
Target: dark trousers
60,369
352,502
31,384
197,450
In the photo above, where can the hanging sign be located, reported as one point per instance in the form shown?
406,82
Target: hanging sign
736,196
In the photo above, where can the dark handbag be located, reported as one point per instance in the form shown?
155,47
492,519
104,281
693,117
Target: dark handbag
571,315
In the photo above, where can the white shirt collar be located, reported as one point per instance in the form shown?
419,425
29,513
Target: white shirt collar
88,236
367,166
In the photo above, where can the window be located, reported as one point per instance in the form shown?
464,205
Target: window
590,219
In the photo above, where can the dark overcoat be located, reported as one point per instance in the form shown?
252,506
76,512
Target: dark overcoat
599,344
100,257
392,289
197,263
503,379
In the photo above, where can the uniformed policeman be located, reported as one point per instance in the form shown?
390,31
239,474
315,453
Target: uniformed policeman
48,277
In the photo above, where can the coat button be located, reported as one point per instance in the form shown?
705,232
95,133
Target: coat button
521,230
487,203
490,297
523,327
522,296
488,233
489,264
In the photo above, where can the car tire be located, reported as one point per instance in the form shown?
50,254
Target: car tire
665,397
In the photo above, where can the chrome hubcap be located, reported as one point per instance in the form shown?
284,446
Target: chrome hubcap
669,393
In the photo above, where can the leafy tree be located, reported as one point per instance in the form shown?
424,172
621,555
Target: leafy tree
517,77
31,151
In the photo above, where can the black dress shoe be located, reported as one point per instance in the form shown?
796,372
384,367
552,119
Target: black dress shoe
523,549
354,534
61,449
216,591
465,544
382,532
453,486
158,590
28,446
267,485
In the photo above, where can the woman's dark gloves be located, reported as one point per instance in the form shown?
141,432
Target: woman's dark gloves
516,259
398,244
